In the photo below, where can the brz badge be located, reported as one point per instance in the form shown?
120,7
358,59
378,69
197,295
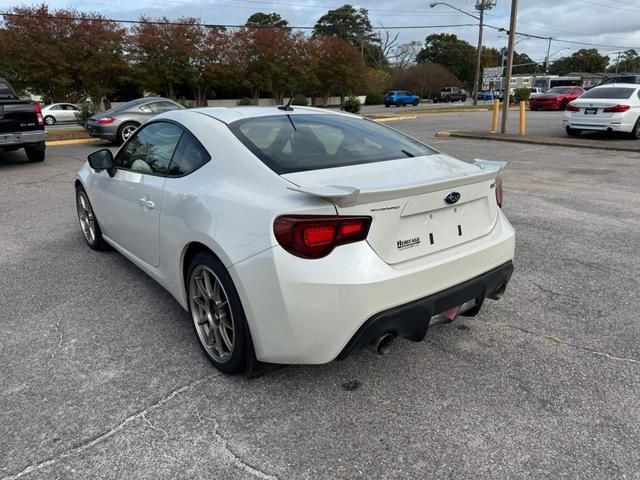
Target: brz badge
452,198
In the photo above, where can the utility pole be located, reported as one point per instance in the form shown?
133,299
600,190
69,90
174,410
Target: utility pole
481,6
618,61
546,59
507,88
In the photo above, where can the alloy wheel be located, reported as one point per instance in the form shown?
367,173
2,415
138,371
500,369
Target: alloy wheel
86,217
211,313
127,131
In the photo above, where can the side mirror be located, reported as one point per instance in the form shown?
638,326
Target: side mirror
102,160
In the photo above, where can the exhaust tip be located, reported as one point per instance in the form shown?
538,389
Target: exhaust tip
499,293
382,344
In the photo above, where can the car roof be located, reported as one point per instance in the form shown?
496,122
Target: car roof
231,114
618,85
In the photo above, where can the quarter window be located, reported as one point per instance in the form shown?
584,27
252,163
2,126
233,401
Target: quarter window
159,107
190,156
151,149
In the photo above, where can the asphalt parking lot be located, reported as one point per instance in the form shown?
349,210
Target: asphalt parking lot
102,376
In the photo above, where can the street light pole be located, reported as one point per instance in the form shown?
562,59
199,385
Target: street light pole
507,87
476,82
481,6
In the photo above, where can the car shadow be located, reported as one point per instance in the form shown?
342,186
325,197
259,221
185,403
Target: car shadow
17,157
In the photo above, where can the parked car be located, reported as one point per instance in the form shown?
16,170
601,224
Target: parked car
120,122
608,108
60,112
624,78
21,124
400,98
450,94
299,235
487,95
556,98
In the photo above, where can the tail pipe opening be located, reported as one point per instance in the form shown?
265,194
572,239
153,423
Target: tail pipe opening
382,344
498,294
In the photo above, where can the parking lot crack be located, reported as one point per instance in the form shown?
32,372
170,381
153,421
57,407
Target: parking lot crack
90,443
558,341
231,455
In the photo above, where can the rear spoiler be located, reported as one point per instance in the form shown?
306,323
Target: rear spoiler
348,196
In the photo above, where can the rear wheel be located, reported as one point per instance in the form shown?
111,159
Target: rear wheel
35,153
635,133
217,314
125,131
398,104
49,120
563,104
415,103
387,105
573,132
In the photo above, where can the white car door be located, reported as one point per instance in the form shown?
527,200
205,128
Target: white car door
129,203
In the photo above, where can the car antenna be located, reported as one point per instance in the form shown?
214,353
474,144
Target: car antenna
287,107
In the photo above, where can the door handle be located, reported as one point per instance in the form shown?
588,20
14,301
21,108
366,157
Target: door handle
147,203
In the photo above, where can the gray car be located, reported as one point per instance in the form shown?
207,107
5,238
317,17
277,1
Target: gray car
120,122
60,112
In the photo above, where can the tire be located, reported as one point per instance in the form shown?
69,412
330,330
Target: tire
35,153
635,133
213,298
573,132
563,105
415,103
89,225
398,104
49,120
435,100
446,99
386,105
125,131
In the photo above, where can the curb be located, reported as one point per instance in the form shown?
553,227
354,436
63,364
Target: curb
391,118
394,119
559,142
75,141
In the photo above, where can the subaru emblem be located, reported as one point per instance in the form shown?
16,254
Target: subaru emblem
452,198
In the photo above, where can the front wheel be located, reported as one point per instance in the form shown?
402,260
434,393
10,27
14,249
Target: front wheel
573,132
35,153
88,221
218,317
49,120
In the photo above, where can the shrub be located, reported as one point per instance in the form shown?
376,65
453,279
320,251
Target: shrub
300,100
521,95
374,99
245,101
351,105
87,110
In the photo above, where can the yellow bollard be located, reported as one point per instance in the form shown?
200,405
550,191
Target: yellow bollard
496,114
523,120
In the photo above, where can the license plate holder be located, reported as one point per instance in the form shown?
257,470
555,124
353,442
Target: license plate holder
590,111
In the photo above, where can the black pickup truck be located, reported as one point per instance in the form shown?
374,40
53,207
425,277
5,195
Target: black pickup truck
450,94
21,124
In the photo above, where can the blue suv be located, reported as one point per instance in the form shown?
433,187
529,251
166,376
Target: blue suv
400,98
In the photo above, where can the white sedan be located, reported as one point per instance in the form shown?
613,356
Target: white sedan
614,107
60,113
299,235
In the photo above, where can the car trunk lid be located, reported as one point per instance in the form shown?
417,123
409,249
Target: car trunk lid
419,205
18,116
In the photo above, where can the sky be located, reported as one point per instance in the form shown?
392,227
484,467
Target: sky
612,23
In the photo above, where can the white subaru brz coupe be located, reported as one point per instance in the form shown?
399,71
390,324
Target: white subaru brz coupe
299,235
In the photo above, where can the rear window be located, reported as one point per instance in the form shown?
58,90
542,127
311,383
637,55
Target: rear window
613,93
295,143
5,90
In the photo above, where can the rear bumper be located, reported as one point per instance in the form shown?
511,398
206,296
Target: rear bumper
308,311
411,320
615,123
22,139
106,132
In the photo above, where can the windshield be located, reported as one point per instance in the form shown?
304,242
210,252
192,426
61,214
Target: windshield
5,90
295,143
613,93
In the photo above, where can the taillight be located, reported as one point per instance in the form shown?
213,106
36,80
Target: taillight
572,108
106,120
315,236
38,111
499,194
617,109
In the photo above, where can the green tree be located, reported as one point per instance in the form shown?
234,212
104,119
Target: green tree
354,27
584,60
629,62
525,64
266,20
446,49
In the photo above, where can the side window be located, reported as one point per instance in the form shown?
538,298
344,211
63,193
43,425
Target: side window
189,156
145,108
159,107
56,107
151,149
